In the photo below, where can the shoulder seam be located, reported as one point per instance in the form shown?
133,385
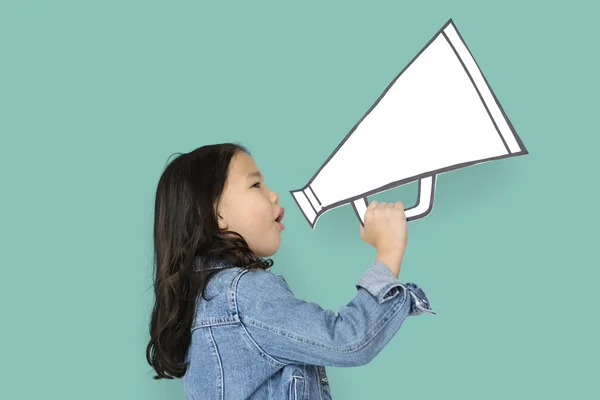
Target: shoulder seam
267,357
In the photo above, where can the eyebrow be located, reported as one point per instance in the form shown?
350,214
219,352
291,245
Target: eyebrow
256,174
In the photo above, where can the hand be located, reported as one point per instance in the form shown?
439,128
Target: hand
385,226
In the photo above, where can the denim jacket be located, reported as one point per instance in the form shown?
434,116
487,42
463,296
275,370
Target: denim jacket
253,339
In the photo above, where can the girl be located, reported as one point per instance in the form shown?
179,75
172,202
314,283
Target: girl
228,326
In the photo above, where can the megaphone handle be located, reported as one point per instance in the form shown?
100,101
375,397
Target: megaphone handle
360,208
425,200
419,210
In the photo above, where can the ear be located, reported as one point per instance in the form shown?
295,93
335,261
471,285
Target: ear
222,222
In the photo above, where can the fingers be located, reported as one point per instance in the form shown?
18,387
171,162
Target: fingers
375,207
375,204
372,205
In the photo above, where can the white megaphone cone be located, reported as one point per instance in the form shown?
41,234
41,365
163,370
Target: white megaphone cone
439,114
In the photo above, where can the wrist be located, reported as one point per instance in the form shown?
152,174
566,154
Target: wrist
392,259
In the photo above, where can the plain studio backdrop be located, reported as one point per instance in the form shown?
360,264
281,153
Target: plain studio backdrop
95,96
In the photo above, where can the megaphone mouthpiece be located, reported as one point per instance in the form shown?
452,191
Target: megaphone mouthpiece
308,203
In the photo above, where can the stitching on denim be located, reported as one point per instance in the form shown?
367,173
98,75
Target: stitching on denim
216,353
320,385
295,388
259,350
247,337
209,324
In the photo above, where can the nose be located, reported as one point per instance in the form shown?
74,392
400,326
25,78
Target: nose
276,197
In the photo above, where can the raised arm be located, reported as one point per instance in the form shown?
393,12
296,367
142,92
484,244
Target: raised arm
294,331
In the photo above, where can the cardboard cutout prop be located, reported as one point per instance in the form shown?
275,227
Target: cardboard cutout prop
439,114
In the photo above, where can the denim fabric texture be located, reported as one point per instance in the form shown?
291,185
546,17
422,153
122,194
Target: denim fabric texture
254,339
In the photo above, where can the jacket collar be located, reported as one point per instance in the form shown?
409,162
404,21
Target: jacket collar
219,264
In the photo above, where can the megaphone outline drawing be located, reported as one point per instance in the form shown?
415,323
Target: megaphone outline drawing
470,127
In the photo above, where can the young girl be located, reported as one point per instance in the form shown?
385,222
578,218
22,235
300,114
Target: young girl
224,322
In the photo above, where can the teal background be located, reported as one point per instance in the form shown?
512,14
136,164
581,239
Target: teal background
95,97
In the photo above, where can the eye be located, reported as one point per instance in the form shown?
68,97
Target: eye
257,183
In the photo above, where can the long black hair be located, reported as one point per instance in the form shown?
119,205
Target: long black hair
187,240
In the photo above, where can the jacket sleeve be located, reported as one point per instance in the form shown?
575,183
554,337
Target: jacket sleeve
294,331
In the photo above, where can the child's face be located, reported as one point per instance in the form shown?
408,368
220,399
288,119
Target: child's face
249,208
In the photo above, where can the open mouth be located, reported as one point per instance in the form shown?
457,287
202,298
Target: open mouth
279,218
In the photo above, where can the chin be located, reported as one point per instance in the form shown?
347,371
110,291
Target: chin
268,252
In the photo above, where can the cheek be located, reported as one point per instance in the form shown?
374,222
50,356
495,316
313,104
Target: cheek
258,214
265,209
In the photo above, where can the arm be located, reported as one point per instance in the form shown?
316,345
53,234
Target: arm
292,330
391,259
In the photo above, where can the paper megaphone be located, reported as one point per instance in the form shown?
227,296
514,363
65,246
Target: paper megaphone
437,115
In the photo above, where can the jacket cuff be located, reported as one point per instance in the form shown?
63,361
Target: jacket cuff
420,302
383,285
